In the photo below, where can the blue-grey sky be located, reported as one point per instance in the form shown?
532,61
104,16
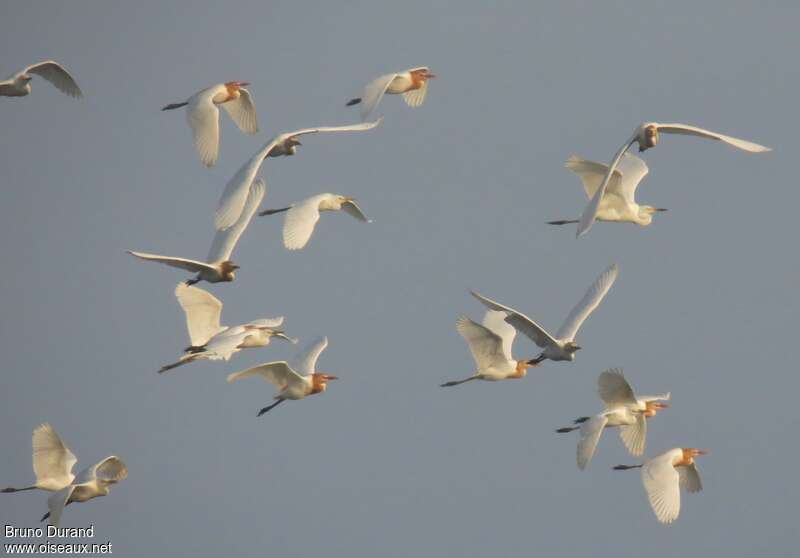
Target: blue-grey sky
386,463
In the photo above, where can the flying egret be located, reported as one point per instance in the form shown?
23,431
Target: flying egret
646,135
624,409
618,203
490,345
218,267
213,341
92,482
52,461
19,84
203,115
562,346
233,200
295,381
665,475
412,84
302,217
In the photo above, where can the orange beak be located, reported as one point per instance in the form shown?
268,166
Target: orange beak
328,377
659,405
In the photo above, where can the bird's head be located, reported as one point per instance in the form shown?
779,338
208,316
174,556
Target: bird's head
648,137
571,347
236,85
319,381
290,145
281,335
652,407
25,78
690,453
227,269
341,200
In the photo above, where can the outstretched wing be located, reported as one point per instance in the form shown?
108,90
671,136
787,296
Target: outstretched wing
225,241
496,322
415,97
203,118
614,389
634,436
373,93
590,435
56,503
202,311
521,322
108,471
632,170
233,199
687,130
690,478
590,301
57,75
277,372
351,208
305,363
243,112
181,263
661,482
52,460
485,345
300,221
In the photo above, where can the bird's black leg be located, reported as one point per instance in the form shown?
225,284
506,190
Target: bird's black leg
270,407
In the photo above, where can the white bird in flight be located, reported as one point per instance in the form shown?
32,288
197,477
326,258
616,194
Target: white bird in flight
294,381
562,346
212,341
19,84
234,198
624,409
646,135
619,202
665,476
490,345
203,115
218,267
412,84
52,465
302,217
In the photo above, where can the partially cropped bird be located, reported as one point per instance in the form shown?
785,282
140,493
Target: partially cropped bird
294,381
665,476
19,84
302,217
92,482
411,84
562,346
619,202
218,267
52,461
624,409
490,345
213,341
203,115
646,135
233,199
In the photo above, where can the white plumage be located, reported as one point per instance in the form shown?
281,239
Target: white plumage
412,84
18,84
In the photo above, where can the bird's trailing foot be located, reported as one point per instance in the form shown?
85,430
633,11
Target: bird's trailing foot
563,222
273,211
270,407
44,517
567,429
580,420
457,382
352,102
625,467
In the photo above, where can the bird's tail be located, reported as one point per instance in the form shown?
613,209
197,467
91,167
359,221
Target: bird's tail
352,102
563,222
173,106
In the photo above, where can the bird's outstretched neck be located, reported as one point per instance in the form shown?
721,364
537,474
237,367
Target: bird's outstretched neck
625,467
173,106
273,211
563,222
352,102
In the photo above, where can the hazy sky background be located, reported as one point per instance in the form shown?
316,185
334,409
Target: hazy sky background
386,463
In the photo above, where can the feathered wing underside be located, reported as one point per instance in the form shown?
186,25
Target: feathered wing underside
52,460
224,345
243,112
57,75
690,478
588,303
591,174
203,311
486,346
305,363
299,223
614,389
352,209
108,471
632,170
373,93
268,322
590,434
203,117
225,241
181,263
232,201
278,372
56,503
521,322
415,97
496,322
590,212
634,436
687,130
661,482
